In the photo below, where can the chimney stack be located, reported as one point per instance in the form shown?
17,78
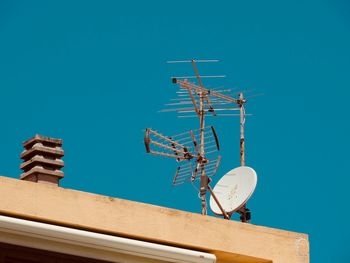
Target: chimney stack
42,160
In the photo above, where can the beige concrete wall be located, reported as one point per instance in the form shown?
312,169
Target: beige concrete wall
231,241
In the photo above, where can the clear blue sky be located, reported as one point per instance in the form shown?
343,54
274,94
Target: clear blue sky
94,74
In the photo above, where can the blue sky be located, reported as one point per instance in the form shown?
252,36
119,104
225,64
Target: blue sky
94,74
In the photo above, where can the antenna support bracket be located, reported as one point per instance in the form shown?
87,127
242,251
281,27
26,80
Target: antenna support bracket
245,214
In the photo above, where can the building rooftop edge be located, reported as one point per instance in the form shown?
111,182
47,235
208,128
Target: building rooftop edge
77,209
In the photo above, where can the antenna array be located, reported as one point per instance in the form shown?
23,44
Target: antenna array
193,147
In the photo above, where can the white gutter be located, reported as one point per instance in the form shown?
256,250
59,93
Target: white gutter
31,229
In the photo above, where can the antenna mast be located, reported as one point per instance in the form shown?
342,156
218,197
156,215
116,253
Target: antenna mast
203,179
242,122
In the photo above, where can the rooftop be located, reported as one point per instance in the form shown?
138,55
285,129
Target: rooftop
230,241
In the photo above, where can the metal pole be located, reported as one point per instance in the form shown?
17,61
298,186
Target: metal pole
242,149
226,216
242,120
203,178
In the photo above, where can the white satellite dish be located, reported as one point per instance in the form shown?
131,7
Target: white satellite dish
234,189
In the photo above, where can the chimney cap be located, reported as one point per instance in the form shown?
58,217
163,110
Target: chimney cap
42,139
27,154
42,160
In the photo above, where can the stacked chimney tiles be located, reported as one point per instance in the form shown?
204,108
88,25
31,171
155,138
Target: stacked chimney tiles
42,160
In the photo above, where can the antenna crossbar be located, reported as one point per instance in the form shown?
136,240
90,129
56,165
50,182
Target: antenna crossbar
165,146
197,88
167,155
201,76
193,60
165,138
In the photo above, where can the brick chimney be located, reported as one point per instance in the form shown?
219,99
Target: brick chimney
42,160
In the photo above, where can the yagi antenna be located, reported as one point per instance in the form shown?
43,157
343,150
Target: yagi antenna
194,147
182,146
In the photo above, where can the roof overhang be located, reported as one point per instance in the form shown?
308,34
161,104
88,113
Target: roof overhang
104,247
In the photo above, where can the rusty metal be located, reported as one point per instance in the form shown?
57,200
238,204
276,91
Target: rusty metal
242,122
190,61
226,216
201,76
171,148
195,100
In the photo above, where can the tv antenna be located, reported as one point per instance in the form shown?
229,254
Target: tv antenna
195,100
193,146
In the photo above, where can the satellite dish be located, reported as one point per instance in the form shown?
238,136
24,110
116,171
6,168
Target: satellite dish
234,189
